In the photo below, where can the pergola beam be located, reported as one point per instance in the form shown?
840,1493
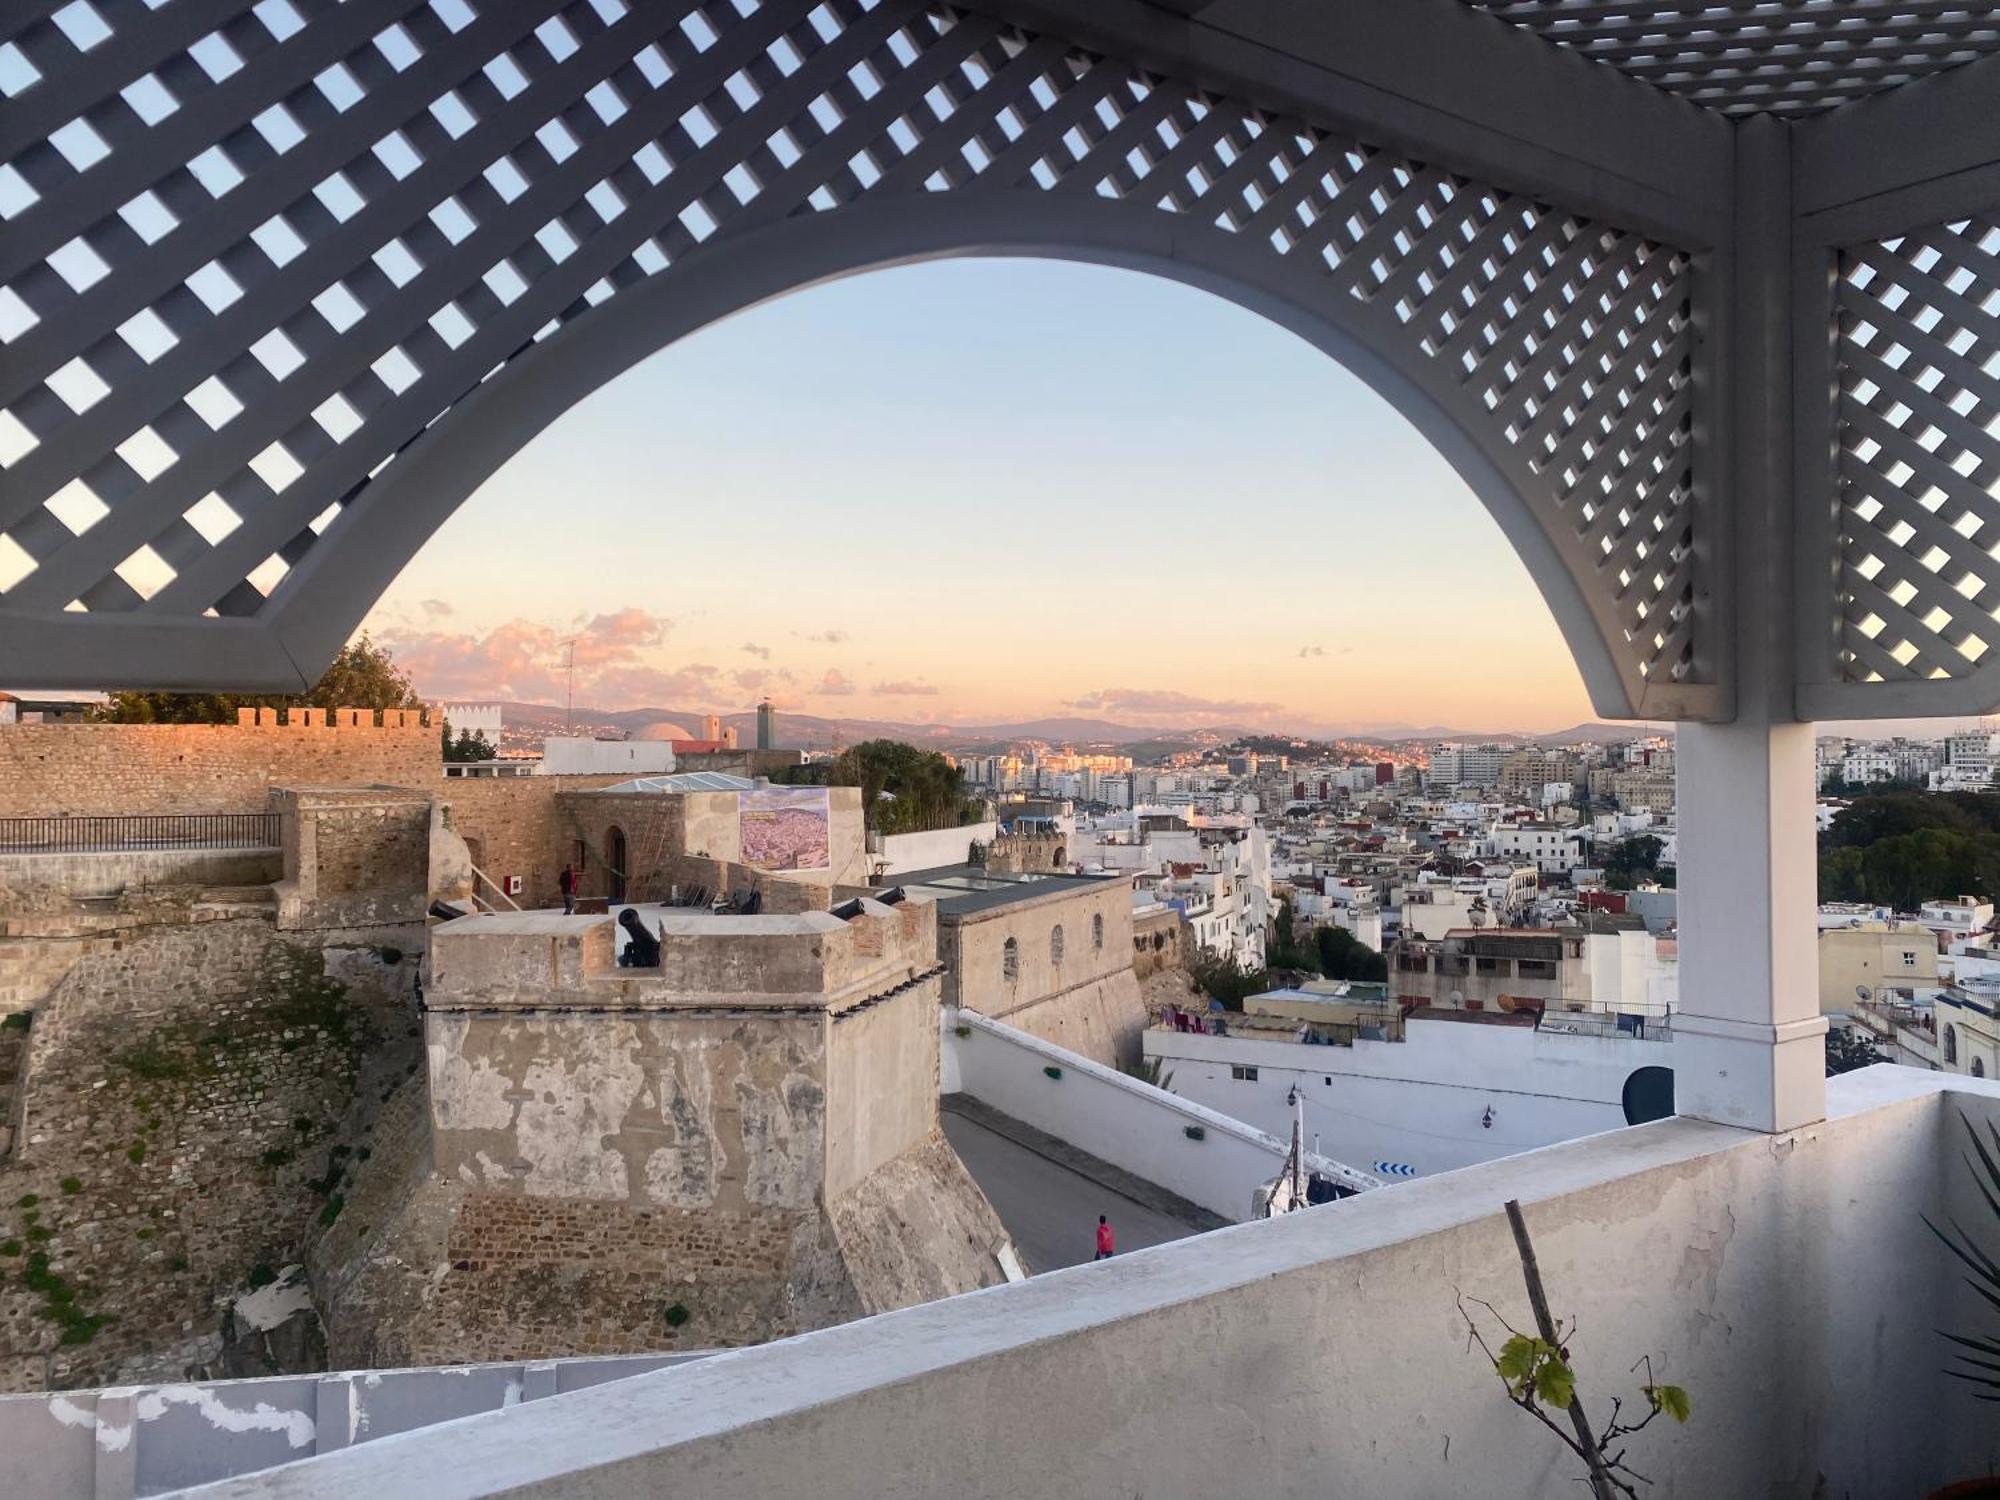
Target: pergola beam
1443,82
1910,155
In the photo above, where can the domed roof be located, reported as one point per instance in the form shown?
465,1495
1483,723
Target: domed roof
664,730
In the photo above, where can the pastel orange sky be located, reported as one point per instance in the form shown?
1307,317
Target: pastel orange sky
980,491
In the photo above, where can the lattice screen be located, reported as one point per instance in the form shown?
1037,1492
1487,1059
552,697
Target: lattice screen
1786,57
1918,357
246,265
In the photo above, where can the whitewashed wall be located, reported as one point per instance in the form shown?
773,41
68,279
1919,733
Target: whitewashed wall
1116,1118
903,852
1730,1257
1419,1103
148,1439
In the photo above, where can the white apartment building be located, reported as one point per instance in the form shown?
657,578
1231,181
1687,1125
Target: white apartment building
475,718
1955,919
1466,765
1973,755
576,756
1967,1016
1552,851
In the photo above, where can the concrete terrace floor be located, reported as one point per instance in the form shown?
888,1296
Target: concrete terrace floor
1050,1206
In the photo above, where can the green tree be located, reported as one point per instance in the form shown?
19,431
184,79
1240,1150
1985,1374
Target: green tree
1903,848
470,745
1226,979
1344,956
1847,1049
1632,860
363,675
904,789
1283,950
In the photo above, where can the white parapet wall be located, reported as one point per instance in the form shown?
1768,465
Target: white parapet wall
127,1441
1323,1354
1453,1093
1204,1156
901,853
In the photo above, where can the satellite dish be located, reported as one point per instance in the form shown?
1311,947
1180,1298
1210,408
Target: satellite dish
1862,992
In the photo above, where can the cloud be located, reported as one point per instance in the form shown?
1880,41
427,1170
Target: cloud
834,684
905,689
1154,703
751,648
1305,651
828,637
764,679
436,608
641,686
526,661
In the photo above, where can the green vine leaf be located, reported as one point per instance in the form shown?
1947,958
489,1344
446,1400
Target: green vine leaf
1556,1381
1517,1360
1670,1399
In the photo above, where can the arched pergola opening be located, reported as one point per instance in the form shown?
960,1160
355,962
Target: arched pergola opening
324,601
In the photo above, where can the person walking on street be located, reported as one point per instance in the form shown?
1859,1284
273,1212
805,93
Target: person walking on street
1107,1242
567,880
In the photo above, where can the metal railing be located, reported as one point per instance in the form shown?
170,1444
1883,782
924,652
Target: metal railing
139,831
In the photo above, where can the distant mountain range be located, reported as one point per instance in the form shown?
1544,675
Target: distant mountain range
813,732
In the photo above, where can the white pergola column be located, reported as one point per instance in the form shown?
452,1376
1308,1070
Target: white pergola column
1748,1046
1748,1038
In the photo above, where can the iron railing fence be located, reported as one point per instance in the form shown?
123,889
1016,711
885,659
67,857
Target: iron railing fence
79,835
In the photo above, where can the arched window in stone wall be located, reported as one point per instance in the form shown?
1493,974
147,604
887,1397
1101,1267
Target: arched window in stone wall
1979,1067
1097,933
1010,961
1056,945
1951,1044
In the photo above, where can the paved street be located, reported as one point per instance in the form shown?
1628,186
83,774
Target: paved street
1050,1210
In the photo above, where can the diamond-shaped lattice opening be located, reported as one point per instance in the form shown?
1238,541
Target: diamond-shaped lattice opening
1918,367
392,232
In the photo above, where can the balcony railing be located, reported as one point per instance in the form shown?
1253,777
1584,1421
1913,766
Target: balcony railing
1328,1329
138,831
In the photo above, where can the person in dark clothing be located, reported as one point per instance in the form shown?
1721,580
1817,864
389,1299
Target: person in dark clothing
567,881
642,949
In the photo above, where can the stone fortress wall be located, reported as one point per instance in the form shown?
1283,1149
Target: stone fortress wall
1078,991
75,770
690,1156
739,1145
190,1092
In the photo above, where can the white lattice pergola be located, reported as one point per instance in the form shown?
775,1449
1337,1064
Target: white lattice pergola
1702,300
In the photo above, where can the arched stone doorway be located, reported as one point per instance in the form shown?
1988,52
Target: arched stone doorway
615,859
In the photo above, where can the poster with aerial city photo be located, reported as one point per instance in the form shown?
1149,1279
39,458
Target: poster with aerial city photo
786,828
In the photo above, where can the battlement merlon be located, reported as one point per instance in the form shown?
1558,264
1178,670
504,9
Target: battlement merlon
333,718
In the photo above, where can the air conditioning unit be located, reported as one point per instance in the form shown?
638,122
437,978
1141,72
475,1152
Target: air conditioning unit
513,885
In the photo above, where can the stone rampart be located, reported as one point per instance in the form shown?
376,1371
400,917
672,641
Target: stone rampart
186,1104
354,857
75,770
737,1145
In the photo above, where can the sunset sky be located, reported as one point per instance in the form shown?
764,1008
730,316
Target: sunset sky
979,491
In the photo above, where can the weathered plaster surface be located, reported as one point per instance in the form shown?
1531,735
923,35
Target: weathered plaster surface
1323,1354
